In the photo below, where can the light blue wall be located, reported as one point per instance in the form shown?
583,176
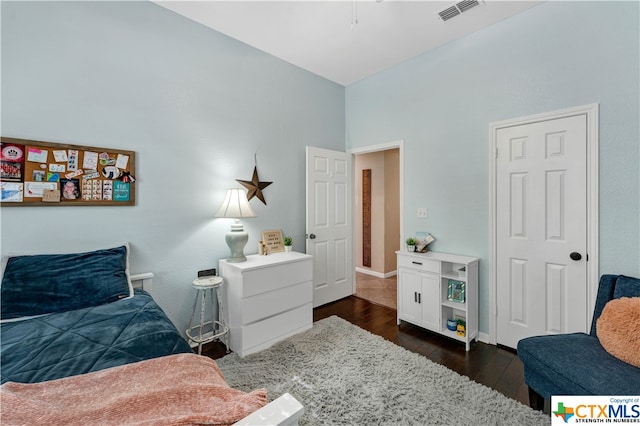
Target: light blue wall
195,106
553,56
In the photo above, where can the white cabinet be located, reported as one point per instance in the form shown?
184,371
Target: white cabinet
424,297
268,298
418,297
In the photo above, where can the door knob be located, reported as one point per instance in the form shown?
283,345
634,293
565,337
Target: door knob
312,236
575,256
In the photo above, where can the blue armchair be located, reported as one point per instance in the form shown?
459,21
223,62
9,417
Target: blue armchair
576,364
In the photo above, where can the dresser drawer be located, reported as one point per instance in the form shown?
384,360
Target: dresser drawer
277,276
419,263
263,334
264,305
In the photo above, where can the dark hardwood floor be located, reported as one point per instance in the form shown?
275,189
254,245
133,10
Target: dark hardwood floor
495,367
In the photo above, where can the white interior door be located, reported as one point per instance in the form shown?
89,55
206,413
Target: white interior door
541,231
329,224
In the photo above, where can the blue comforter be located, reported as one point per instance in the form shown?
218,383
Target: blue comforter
84,340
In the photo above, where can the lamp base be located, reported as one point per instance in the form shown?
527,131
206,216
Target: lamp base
236,240
237,259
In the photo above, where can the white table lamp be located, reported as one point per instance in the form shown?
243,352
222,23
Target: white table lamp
236,206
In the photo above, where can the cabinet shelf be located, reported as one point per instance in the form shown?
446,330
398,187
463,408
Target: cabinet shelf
451,334
423,280
454,335
455,269
451,276
454,305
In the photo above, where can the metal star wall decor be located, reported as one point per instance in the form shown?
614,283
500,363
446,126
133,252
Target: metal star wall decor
254,186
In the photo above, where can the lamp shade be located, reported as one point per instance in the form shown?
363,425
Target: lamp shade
236,205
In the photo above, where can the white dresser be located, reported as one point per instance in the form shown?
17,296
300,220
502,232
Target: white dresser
268,298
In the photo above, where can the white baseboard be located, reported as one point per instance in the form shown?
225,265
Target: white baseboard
375,273
484,338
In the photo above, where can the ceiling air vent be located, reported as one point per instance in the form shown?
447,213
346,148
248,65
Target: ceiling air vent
467,4
457,9
448,13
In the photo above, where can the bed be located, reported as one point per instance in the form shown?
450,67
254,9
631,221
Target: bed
80,319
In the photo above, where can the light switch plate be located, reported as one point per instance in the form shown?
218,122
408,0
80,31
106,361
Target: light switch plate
422,213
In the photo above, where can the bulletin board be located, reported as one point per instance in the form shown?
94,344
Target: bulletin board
36,173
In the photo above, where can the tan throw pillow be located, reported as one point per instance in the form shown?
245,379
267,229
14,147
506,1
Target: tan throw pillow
618,329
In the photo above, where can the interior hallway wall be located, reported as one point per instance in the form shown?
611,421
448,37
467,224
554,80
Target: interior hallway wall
391,209
385,209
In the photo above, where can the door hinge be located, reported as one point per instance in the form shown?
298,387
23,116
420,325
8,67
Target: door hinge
496,152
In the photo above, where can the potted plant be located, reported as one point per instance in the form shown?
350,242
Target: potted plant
411,244
288,243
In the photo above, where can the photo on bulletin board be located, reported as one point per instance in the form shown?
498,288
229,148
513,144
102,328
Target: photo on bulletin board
70,189
11,162
37,173
272,239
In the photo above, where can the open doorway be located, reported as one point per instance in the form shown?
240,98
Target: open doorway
377,222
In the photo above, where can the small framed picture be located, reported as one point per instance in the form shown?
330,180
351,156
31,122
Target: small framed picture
456,291
272,240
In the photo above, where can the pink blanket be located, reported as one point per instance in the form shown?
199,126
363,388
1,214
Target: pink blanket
184,389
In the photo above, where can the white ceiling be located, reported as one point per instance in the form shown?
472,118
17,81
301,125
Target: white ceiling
324,38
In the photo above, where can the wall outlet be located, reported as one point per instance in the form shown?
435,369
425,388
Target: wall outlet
207,273
422,213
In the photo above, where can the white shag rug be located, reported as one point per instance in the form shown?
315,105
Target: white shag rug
344,375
